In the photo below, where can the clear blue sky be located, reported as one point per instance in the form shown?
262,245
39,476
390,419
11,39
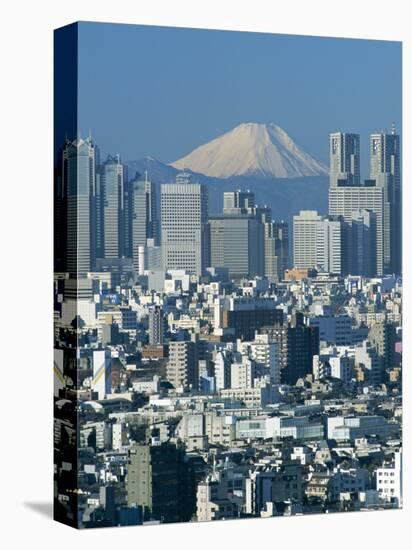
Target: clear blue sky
163,91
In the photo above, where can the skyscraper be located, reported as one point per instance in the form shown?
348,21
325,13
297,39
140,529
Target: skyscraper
143,223
304,238
236,243
185,241
297,344
109,209
362,243
317,242
157,481
237,202
344,159
276,249
343,201
329,245
380,194
385,169
78,182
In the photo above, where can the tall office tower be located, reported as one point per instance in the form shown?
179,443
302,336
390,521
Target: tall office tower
385,182
236,243
297,344
329,245
281,231
344,159
305,226
185,238
182,366
385,170
127,225
276,249
303,344
157,482
262,213
78,184
109,209
238,202
156,326
59,216
143,223
361,249
343,201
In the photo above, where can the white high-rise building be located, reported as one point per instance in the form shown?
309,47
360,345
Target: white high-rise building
344,159
317,242
79,187
266,352
222,369
344,201
109,208
185,240
305,227
329,245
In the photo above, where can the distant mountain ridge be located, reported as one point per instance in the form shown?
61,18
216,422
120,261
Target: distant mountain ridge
251,149
285,196
156,170
304,187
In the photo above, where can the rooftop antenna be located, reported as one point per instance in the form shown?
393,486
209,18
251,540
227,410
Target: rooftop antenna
90,135
118,158
145,175
393,129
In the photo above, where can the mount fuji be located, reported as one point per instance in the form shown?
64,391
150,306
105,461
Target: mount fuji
252,149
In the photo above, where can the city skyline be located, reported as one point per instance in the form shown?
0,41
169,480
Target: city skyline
241,77
133,221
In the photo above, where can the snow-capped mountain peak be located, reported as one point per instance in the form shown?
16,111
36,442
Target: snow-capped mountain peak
252,149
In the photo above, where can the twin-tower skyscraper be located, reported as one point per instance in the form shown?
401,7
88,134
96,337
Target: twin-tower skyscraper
381,193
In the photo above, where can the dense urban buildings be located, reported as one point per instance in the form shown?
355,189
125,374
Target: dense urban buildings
203,374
